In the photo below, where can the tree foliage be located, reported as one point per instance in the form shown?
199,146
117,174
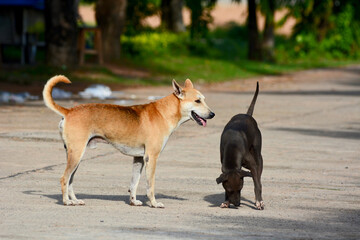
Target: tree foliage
137,11
328,26
200,16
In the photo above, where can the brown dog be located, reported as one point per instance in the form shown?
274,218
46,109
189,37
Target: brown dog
140,131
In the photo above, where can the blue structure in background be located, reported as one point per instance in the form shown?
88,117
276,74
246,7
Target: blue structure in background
19,26
37,4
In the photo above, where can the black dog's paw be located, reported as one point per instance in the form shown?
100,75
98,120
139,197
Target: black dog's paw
260,205
225,205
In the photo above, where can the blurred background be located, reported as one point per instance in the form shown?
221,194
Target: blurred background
150,42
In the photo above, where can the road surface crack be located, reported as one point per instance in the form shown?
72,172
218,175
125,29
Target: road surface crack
49,168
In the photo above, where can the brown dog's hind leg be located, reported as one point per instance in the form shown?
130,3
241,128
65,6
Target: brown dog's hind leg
71,190
74,155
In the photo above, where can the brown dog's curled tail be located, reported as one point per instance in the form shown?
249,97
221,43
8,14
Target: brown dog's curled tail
252,105
49,101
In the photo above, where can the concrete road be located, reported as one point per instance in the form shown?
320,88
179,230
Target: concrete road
310,122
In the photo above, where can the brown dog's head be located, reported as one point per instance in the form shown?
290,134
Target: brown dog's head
192,103
233,182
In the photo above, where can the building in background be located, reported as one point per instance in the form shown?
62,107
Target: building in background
21,30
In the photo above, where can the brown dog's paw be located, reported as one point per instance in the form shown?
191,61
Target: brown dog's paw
68,202
78,202
225,205
260,205
73,202
136,203
157,205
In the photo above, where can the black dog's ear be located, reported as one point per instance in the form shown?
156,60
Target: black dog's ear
245,173
223,177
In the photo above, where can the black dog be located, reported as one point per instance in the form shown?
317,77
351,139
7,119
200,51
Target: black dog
240,146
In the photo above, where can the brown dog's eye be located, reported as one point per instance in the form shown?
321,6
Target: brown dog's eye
198,101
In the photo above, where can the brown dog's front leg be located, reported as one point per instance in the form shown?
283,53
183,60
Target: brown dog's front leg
150,166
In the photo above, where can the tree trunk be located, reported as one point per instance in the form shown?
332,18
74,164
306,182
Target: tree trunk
177,17
61,32
196,12
166,14
323,21
268,38
254,46
171,15
110,17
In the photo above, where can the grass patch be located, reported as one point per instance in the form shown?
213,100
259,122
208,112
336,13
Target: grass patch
219,58
208,70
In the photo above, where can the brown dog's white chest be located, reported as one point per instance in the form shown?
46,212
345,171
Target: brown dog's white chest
130,151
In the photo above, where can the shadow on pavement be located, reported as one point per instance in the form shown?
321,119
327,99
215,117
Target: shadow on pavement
216,199
349,93
324,133
119,198
316,93
351,69
314,226
352,83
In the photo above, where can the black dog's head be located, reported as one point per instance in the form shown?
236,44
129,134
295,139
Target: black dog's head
233,182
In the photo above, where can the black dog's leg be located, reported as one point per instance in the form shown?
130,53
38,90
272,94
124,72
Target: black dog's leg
225,204
256,175
260,165
259,204
260,169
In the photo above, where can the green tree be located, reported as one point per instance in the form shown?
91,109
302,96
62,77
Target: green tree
200,16
110,17
171,15
313,16
254,41
331,27
61,32
137,11
254,48
267,8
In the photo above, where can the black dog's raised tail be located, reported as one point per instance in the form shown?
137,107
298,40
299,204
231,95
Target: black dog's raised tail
252,105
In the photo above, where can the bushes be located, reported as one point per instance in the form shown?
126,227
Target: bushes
164,43
221,43
342,41
230,44
148,44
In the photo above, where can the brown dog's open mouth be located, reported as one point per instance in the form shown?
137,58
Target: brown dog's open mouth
201,121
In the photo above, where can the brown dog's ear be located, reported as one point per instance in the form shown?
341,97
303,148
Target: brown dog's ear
223,177
188,84
245,173
178,91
